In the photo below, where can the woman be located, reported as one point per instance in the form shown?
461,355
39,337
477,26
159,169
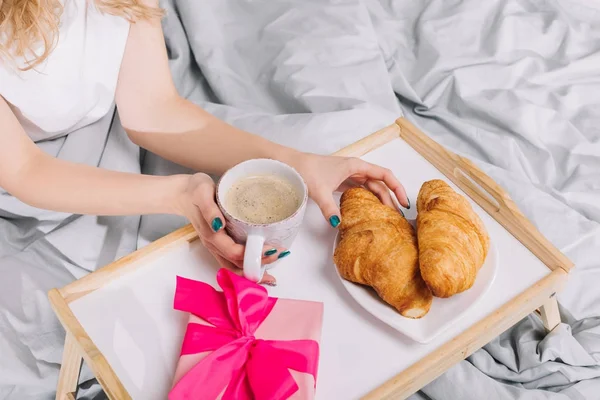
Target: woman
151,111
62,65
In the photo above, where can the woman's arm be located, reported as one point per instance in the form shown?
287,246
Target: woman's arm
46,182
158,119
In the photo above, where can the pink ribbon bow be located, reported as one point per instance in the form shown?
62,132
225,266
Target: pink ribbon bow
249,368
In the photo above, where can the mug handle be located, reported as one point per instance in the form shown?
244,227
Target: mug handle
253,268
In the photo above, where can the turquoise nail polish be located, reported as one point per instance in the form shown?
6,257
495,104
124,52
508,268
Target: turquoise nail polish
401,212
334,220
284,254
408,201
216,224
270,252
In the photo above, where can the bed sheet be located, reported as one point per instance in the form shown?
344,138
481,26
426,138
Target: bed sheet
512,84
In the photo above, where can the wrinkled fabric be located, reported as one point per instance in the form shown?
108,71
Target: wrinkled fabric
512,84
41,250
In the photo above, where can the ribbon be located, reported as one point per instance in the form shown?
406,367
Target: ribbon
242,365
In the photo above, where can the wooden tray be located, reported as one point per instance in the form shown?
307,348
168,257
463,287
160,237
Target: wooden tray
119,318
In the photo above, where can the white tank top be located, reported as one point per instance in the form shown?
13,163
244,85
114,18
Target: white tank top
76,85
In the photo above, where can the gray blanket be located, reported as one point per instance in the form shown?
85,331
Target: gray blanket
514,85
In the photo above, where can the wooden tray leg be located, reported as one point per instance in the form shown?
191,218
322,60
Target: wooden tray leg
549,314
68,378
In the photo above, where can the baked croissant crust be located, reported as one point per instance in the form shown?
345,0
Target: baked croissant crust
378,248
453,241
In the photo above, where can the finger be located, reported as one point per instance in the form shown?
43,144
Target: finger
329,208
223,262
226,247
218,242
272,254
348,184
268,279
375,172
199,223
383,193
239,264
204,198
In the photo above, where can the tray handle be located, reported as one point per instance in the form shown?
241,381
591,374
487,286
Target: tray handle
485,192
371,142
487,189
485,185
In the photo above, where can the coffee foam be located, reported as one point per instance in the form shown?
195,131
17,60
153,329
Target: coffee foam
262,199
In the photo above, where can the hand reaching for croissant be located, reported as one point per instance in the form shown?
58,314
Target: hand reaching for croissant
326,174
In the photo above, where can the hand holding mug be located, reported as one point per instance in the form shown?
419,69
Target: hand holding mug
197,204
263,202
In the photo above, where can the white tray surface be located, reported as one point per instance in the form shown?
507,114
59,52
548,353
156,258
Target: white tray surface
132,322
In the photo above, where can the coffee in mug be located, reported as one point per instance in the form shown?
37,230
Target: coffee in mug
263,202
262,199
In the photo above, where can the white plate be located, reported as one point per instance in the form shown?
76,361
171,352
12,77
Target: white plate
443,311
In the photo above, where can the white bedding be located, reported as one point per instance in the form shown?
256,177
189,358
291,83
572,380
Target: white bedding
514,85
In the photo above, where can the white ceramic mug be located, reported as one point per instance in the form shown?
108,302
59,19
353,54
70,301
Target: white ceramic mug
277,234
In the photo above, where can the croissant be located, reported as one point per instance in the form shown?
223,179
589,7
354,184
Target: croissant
378,248
453,241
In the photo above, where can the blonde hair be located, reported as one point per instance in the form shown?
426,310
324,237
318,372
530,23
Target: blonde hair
25,24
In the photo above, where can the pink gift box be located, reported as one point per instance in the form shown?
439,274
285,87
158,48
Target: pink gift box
242,344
